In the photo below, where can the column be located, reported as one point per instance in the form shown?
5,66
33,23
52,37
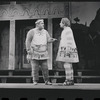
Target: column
50,45
12,45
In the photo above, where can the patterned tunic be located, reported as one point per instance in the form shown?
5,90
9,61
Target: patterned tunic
36,41
67,48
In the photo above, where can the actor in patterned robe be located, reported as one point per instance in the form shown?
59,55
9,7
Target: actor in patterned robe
67,52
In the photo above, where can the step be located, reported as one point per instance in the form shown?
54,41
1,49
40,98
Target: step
49,76
28,79
51,72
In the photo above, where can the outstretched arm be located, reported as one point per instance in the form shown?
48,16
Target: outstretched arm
50,39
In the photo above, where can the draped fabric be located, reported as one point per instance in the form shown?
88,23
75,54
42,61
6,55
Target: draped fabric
67,48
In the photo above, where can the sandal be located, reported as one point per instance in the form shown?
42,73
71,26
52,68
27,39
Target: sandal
68,82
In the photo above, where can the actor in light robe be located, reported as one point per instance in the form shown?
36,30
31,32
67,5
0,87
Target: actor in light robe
67,52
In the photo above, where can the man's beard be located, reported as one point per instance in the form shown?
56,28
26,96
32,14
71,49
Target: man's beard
41,28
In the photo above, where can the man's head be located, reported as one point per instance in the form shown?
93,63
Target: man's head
64,22
40,24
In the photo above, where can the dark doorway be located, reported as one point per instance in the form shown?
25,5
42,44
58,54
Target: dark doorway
56,34
4,44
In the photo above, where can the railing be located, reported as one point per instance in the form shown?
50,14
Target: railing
79,75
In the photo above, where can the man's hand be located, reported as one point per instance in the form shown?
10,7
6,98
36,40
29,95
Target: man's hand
28,57
28,51
52,39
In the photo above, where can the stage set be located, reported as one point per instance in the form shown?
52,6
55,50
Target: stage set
17,86
16,19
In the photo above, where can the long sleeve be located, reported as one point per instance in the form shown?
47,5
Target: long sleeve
29,39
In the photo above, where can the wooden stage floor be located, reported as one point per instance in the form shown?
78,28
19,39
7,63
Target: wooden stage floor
80,86
28,91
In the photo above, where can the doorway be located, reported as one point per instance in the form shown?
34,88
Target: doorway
4,44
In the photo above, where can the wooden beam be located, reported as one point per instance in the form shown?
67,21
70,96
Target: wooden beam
12,45
50,45
34,10
70,11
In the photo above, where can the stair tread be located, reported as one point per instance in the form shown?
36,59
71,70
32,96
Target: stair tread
49,76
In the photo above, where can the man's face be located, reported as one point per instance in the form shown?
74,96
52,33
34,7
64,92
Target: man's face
61,24
41,25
